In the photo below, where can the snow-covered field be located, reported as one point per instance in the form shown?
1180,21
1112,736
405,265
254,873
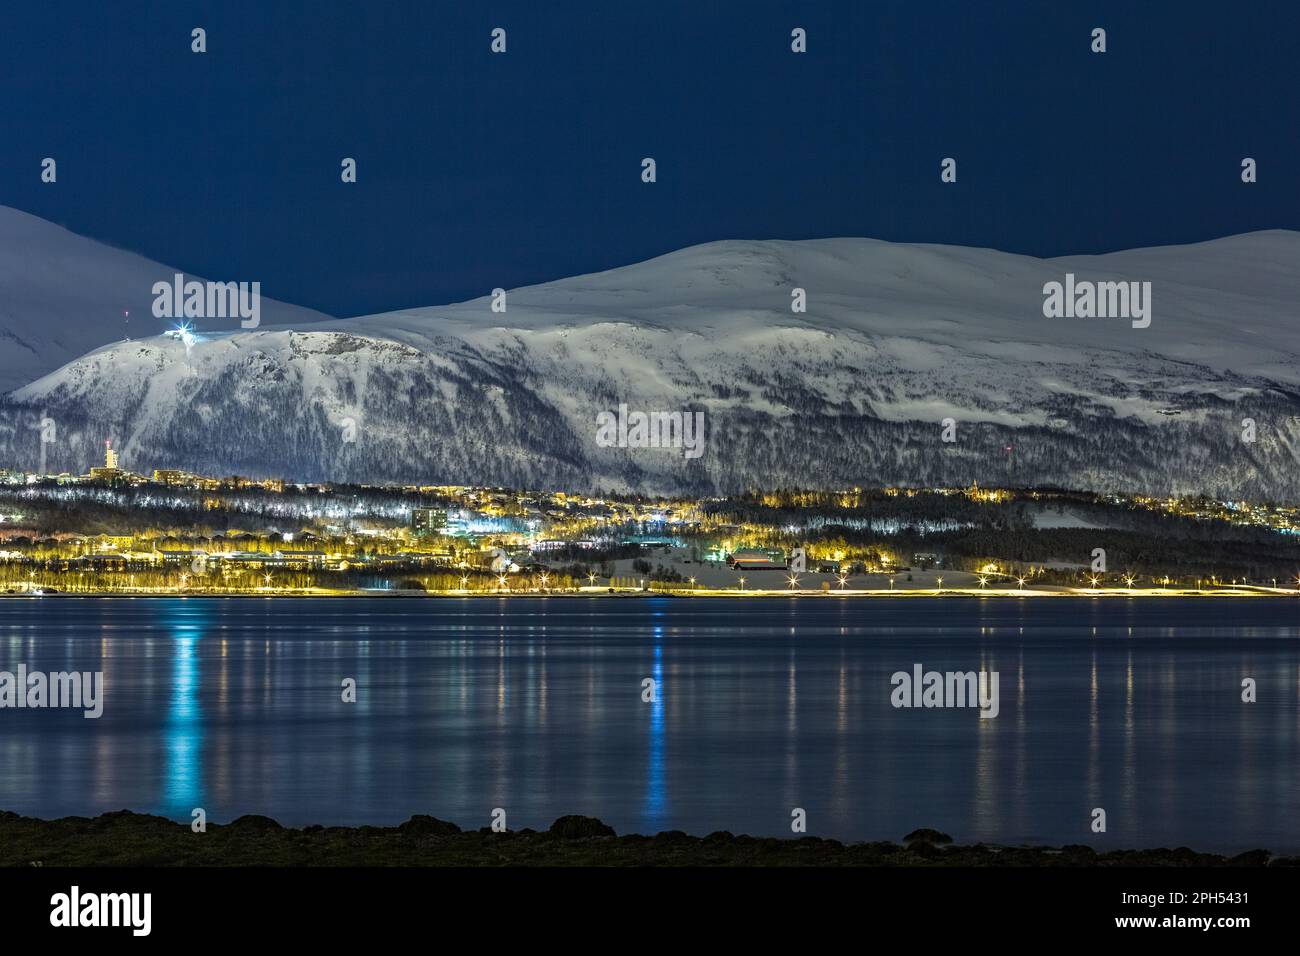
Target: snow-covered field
1061,518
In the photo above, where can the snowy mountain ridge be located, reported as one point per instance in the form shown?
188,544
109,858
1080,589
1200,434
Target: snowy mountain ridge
896,338
61,294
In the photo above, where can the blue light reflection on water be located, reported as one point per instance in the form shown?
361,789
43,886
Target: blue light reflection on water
183,729
654,815
533,705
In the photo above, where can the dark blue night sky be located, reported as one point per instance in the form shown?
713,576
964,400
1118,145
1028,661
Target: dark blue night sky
479,170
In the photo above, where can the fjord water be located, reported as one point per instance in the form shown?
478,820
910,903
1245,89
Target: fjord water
535,705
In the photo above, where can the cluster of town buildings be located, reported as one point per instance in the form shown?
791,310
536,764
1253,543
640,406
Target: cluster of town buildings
494,528
1281,518
111,472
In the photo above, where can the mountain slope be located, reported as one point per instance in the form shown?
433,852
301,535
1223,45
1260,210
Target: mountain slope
896,338
61,294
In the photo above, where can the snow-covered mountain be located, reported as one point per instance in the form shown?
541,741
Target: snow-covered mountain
896,338
61,294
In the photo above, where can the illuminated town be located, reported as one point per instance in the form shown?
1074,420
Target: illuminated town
114,531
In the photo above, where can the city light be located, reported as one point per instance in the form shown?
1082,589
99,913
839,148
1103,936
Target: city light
320,540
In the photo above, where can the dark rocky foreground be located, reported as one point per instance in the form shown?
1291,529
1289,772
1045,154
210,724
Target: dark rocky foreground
124,838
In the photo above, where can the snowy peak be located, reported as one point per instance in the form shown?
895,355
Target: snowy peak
62,294
1228,304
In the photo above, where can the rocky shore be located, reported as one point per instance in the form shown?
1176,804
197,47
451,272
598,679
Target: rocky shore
123,838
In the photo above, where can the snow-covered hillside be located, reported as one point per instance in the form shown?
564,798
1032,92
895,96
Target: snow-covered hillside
61,294
895,339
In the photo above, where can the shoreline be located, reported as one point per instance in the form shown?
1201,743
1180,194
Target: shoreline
701,593
125,838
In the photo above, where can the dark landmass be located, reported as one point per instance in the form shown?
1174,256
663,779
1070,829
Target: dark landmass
123,838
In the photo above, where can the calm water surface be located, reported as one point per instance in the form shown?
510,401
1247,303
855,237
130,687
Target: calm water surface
535,705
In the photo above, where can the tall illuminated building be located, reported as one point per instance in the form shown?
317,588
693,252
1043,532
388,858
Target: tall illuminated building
110,470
